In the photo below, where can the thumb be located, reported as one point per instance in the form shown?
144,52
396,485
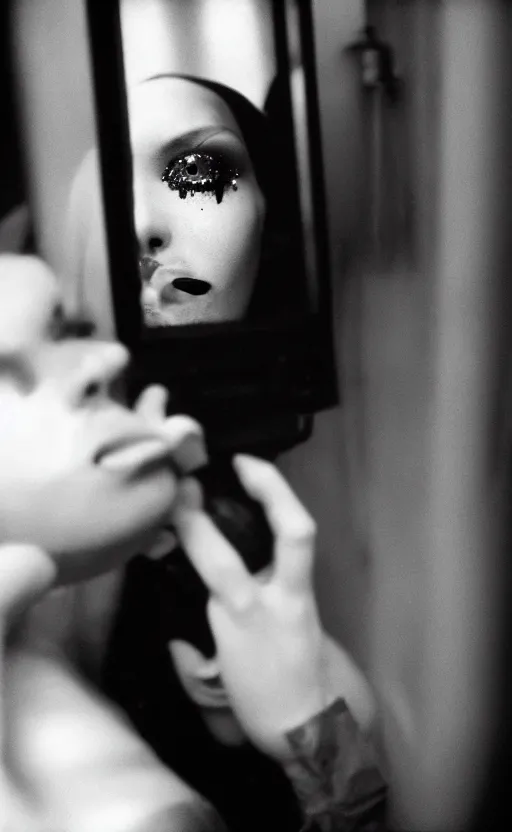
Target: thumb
26,572
152,402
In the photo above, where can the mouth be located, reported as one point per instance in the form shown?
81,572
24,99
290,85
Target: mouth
129,454
171,284
190,285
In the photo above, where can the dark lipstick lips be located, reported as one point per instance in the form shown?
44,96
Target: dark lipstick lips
191,285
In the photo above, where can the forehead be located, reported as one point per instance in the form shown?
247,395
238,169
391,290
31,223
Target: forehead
162,109
28,295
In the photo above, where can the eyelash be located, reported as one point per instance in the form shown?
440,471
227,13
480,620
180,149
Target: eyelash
201,173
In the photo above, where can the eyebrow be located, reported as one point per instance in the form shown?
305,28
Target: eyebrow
193,139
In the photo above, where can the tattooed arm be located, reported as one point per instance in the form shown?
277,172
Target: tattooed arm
335,774
279,667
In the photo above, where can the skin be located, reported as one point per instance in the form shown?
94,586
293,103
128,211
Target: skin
202,680
195,236
45,705
278,665
56,412
219,244
63,517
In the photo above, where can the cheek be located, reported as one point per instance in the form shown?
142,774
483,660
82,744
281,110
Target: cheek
38,445
85,518
225,239
119,520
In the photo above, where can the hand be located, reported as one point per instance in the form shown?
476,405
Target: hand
270,644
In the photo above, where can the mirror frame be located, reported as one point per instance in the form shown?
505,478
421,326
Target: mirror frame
250,385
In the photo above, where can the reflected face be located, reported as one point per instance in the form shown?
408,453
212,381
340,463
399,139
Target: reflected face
80,475
199,211
199,676
201,680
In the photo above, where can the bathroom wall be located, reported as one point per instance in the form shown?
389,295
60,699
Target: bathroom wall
402,478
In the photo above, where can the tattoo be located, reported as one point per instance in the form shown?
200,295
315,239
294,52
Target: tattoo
335,774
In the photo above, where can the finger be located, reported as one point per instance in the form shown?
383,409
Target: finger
216,561
293,527
184,435
186,440
152,403
26,572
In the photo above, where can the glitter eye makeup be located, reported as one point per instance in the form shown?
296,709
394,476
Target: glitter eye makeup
200,173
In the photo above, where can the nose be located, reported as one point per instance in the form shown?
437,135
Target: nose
95,373
151,223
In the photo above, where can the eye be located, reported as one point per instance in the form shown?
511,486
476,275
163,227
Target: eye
77,328
69,326
200,173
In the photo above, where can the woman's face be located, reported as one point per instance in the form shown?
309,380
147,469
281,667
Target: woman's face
80,475
199,211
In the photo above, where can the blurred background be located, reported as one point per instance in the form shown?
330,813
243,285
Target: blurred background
408,478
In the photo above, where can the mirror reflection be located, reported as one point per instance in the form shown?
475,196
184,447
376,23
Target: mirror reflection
199,207
214,177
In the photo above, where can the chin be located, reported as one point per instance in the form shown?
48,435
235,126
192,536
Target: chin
84,563
113,533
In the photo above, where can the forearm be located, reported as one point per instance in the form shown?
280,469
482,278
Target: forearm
335,773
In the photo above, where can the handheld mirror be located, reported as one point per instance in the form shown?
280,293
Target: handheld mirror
173,167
